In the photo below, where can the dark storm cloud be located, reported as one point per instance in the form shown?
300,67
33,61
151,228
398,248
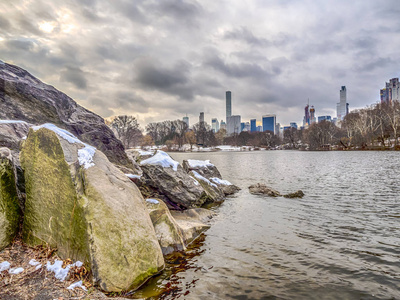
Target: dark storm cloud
153,75
75,76
131,101
4,23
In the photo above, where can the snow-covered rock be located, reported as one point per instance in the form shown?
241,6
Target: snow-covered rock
203,167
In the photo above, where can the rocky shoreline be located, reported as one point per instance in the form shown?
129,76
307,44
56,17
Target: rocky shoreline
68,186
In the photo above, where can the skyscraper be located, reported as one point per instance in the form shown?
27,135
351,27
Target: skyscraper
269,122
215,124
228,105
201,117
312,115
342,107
306,120
233,125
253,125
391,92
186,120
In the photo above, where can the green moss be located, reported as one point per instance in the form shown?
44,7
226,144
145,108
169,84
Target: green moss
53,215
10,212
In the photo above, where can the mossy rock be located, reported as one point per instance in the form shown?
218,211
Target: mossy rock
10,212
52,214
93,212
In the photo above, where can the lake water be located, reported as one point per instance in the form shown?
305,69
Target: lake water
341,241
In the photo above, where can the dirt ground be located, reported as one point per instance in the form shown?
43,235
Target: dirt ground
41,284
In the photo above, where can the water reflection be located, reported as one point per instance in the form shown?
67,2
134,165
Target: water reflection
341,241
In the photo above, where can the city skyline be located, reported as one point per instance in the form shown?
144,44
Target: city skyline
162,60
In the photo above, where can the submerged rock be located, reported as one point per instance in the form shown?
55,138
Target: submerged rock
166,178
80,203
24,97
298,194
10,211
262,189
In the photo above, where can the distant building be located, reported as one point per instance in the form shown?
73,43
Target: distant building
293,124
215,124
324,118
201,117
222,125
253,125
242,126
259,128
391,92
306,119
277,129
269,123
228,105
342,108
286,128
233,125
186,120
312,115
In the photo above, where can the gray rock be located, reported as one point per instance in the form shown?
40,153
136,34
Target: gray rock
193,222
12,133
214,193
262,189
165,178
225,186
297,194
24,97
10,212
168,232
80,203
204,167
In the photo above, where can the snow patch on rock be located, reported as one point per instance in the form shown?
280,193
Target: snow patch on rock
220,181
199,163
161,159
198,176
85,155
152,201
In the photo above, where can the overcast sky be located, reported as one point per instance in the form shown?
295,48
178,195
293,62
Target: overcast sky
159,60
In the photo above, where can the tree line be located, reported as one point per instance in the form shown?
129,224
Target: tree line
377,126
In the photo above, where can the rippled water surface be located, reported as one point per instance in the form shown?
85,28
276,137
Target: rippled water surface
341,241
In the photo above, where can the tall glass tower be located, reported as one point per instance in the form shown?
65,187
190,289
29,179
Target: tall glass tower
228,105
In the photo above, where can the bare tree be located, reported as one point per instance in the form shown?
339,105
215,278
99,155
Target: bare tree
126,128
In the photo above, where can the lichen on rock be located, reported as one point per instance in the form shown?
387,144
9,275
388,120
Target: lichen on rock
10,211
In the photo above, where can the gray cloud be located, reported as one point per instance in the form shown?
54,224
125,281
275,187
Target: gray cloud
162,59
75,76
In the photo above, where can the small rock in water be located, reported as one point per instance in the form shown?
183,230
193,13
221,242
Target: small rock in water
262,189
298,194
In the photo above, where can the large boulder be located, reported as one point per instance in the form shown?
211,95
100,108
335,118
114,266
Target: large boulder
226,187
168,232
12,133
166,179
192,222
203,167
214,193
10,211
80,203
24,97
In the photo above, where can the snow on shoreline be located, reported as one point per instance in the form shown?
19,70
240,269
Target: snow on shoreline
85,155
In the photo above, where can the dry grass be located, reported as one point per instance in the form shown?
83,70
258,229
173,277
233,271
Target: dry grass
41,284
